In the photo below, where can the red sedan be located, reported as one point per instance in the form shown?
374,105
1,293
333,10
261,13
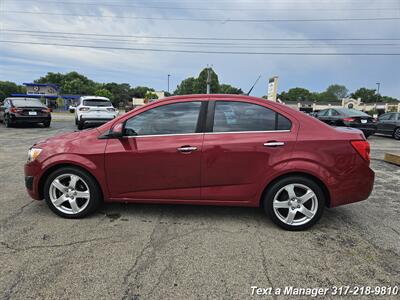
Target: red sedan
205,150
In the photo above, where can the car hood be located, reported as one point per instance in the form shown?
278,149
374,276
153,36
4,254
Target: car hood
68,137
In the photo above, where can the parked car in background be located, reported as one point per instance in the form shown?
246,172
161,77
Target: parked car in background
205,150
389,124
94,110
349,118
24,110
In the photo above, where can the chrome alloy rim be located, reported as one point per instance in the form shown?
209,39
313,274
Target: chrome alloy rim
69,193
295,204
397,134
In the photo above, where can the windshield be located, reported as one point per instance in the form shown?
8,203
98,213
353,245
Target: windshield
27,103
96,102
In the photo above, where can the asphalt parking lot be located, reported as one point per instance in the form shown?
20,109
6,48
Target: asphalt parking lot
187,252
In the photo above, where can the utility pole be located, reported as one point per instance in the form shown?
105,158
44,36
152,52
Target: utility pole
208,80
169,75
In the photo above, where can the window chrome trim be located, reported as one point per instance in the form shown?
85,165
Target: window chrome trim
157,135
198,133
262,131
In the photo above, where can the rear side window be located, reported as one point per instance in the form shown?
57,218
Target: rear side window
323,113
177,118
96,102
240,116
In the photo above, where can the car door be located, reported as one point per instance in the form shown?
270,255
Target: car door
323,116
335,117
244,144
391,124
160,155
383,123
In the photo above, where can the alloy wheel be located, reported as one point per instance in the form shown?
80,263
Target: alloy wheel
397,134
69,193
295,204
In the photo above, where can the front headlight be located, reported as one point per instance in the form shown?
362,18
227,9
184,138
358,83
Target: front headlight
33,153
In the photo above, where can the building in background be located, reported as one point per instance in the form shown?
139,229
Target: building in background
272,88
50,94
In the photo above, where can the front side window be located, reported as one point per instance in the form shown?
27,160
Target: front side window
384,117
177,118
240,116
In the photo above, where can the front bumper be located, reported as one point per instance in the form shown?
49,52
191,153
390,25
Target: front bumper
32,174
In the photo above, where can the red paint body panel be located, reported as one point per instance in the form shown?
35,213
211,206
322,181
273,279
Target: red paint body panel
226,168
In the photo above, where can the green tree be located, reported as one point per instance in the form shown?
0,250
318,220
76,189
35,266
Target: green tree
186,87
120,92
228,89
366,95
7,88
337,92
104,93
200,86
139,91
50,77
296,94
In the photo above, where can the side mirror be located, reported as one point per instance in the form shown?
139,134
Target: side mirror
114,133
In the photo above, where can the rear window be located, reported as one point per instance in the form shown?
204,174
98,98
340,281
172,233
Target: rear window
27,103
241,116
96,102
354,113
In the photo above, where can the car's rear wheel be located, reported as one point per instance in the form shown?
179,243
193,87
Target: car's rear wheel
396,133
294,203
72,193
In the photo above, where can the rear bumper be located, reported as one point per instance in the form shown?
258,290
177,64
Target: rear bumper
96,120
366,130
353,187
29,119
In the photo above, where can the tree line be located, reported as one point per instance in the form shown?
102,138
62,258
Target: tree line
77,84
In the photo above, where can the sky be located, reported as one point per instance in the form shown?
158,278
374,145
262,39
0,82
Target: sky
37,37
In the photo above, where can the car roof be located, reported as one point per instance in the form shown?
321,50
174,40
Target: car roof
94,97
21,98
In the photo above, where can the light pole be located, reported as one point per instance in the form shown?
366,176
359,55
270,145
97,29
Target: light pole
169,75
377,93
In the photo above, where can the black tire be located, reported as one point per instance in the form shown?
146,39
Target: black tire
81,125
277,186
7,121
76,121
47,124
396,133
94,190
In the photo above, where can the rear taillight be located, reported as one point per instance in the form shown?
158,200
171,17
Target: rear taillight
348,120
84,108
111,109
374,120
46,110
15,110
362,147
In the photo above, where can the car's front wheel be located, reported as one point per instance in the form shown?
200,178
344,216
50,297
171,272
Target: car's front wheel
294,203
7,121
72,193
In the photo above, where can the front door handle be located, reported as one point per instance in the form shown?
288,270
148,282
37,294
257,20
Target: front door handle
186,149
274,144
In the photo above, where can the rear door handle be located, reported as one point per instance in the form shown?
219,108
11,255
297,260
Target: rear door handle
186,149
274,144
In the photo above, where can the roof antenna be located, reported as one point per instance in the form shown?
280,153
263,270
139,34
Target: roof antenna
251,89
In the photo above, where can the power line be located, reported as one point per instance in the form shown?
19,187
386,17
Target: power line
203,38
206,8
225,20
208,44
206,51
